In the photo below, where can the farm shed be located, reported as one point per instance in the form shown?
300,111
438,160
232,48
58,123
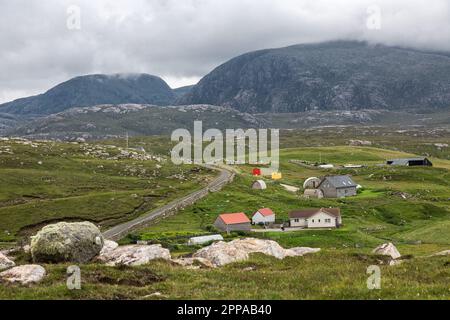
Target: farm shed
233,222
410,162
313,193
311,183
259,185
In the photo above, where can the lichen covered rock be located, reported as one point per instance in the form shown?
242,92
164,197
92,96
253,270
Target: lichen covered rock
387,249
5,262
67,242
222,253
134,255
25,275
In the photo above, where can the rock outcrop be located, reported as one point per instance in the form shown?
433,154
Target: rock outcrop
67,242
134,255
108,246
387,249
340,75
194,263
222,253
25,275
5,262
442,253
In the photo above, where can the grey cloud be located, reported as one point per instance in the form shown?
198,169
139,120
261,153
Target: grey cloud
183,40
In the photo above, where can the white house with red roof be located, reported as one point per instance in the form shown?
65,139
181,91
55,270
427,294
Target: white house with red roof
265,216
233,222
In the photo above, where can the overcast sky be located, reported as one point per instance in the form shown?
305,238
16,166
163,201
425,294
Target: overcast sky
182,40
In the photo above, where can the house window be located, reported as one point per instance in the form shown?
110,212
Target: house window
296,220
313,220
318,221
328,220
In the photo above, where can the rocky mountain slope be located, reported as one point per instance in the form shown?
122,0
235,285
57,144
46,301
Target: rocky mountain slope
328,76
92,90
110,121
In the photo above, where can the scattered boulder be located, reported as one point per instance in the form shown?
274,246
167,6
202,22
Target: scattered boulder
360,143
387,249
193,263
134,255
67,242
26,248
25,275
300,251
222,253
442,253
108,246
5,262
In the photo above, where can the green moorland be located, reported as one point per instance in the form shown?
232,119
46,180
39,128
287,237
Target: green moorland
408,206
44,182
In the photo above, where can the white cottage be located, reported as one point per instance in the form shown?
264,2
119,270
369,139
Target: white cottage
316,218
265,215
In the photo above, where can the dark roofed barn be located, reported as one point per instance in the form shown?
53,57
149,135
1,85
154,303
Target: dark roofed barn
410,162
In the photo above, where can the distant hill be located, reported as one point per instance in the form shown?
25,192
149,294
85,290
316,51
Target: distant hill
106,121
328,76
179,92
92,90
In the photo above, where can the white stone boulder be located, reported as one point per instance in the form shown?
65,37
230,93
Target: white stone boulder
387,249
5,262
222,253
25,275
300,251
442,253
134,255
108,246
193,263
67,242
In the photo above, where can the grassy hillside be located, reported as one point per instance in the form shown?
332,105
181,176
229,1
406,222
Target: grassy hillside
400,204
42,182
408,206
331,274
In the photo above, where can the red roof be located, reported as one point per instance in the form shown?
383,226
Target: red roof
234,218
266,212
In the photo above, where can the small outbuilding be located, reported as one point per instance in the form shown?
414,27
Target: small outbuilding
410,162
259,185
263,216
338,187
311,183
316,218
204,239
313,193
233,222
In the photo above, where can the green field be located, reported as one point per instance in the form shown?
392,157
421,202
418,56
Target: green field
408,206
49,182
377,214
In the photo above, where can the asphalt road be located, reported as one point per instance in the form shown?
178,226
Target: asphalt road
120,231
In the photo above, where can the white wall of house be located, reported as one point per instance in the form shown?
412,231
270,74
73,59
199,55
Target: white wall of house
298,222
259,218
321,220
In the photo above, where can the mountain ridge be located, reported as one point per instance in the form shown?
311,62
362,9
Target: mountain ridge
339,75
94,89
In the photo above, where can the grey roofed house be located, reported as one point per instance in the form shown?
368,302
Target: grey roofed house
338,187
411,162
